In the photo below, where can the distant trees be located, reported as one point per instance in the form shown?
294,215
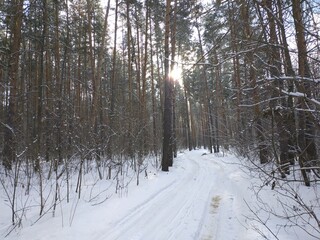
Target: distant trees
64,92
263,53
245,93
86,89
79,81
259,99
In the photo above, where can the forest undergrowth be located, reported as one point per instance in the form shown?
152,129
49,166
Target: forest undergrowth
290,204
50,189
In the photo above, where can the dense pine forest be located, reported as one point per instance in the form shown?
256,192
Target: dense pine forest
109,84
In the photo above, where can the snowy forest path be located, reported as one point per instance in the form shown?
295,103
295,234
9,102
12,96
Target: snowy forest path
200,198
197,202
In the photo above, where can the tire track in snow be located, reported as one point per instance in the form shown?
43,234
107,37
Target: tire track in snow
226,213
183,208
174,204
144,205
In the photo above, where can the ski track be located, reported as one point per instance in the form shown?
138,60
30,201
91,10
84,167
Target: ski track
200,198
196,199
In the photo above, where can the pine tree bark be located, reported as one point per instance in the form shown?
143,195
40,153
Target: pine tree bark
249,58
153,96
173,55
10,143
289,116
113,88
306,132
209,132
130,80
97,97
188,119
59,87
236,67
277,105
143,115
167,156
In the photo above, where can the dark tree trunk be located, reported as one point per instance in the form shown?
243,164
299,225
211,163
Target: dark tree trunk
306,133
10,144
167,156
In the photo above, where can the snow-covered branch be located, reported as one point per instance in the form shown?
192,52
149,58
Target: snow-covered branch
296,78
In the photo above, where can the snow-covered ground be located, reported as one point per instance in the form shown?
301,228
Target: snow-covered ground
204,196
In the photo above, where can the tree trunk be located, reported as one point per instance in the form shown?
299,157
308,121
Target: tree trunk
249,58
130,81
167,156
143,115
306,133
236,69
10,143
59,87
113,89
289,117
173,55
188,119
97,93
206,99
153,96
